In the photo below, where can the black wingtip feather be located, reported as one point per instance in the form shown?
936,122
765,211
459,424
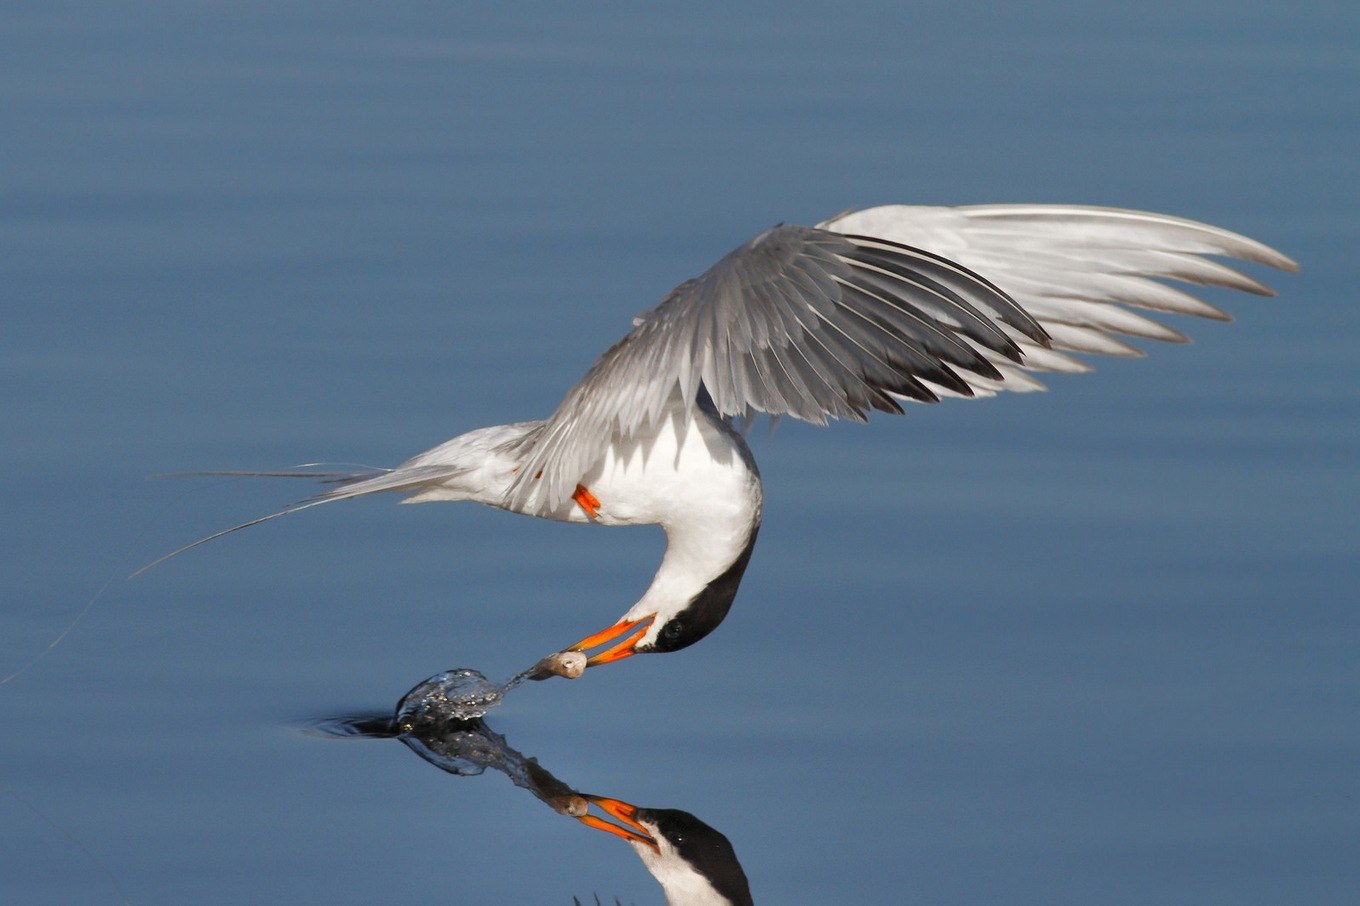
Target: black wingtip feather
1007,309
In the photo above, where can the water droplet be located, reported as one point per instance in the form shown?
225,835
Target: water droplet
460,694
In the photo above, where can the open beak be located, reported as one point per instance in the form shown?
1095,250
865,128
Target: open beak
628,827
631,631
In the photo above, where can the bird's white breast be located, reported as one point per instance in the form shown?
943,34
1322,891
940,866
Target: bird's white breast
694,469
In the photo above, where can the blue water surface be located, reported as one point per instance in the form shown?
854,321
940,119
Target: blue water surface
1097,645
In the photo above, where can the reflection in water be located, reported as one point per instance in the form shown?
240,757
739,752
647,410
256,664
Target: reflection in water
694,863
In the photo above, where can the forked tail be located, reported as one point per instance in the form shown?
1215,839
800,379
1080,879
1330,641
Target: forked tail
348,484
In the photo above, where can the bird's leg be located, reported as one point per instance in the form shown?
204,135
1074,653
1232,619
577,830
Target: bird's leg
588,501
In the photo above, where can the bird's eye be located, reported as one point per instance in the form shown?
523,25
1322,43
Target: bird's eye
672,630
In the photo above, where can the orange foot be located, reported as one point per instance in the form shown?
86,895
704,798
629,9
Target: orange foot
588,501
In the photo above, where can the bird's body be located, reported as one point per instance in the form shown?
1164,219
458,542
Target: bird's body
866,311
693,475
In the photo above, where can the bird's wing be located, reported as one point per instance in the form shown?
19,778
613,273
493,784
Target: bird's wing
1078,270
828,322
799,321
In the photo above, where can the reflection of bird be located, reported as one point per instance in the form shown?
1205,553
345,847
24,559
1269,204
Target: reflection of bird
869,309
694,863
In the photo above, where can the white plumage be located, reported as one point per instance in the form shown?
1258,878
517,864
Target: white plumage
867,310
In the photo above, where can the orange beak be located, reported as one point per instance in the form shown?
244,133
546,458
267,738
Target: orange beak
628,827
619,650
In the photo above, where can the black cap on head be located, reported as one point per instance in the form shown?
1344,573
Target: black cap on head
707,610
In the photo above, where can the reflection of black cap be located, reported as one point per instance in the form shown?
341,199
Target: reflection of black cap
705,849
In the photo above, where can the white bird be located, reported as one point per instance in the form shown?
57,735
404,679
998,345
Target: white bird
864,311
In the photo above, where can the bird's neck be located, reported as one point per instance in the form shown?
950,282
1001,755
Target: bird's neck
709,503
695,584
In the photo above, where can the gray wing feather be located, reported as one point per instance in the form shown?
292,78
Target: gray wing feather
1080,270
853,316
800,321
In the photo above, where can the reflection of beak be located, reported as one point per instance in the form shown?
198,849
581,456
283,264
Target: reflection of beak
620,650
628,828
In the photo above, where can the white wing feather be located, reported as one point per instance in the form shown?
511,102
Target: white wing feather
908,303
1076,268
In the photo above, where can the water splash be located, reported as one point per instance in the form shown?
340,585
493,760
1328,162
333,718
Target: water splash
465,694
459,694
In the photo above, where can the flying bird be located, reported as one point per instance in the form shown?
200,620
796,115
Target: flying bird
863,312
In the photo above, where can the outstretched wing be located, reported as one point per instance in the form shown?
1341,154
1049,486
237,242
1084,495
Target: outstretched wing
854,315
1080,271
799,321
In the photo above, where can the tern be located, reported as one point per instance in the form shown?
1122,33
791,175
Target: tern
863,312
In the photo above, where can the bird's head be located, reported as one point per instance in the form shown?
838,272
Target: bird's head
654,633
669,627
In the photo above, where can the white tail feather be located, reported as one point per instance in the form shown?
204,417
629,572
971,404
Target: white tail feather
356,484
